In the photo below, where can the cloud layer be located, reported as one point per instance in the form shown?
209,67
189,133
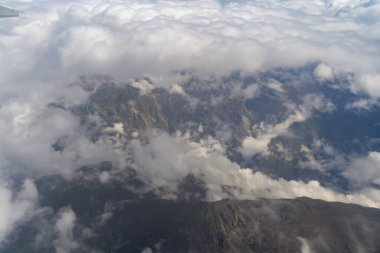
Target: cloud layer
55,41
165,161
16,206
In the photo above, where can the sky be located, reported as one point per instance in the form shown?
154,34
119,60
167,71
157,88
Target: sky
52,43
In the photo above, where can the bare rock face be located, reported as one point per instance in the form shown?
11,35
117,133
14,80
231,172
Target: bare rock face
118,214
258,226
315,148
113,218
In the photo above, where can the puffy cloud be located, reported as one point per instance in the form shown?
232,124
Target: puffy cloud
324,72
317,102
276,86
147,250
42,139
305,247
365,170
265,133
164,161
16,206
55,41
369,83
251,91
64,227
362,104
116,128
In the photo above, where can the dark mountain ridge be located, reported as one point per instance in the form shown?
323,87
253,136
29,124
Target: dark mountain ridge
120,220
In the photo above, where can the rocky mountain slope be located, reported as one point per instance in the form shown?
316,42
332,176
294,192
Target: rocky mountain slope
286,124
112,218
302,128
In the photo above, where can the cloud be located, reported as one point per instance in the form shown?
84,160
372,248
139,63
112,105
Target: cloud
16,206
310,162
55,41
368,83
276,86
364,170
251,91
64,227
40,139
265,133
323,72
305,247
147,250
52,43
164,161
362,104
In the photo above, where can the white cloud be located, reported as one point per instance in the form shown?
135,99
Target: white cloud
251,91
175,88
323,72
54,41
265,133
365,170
116,128
16,207
29,132
104,177
362,104
317,102
368,83
305,247
310,162
147,250
276,86
164,161
64,227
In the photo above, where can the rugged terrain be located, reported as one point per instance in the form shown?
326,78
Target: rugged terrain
310,128
189,126
315,133
111,218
